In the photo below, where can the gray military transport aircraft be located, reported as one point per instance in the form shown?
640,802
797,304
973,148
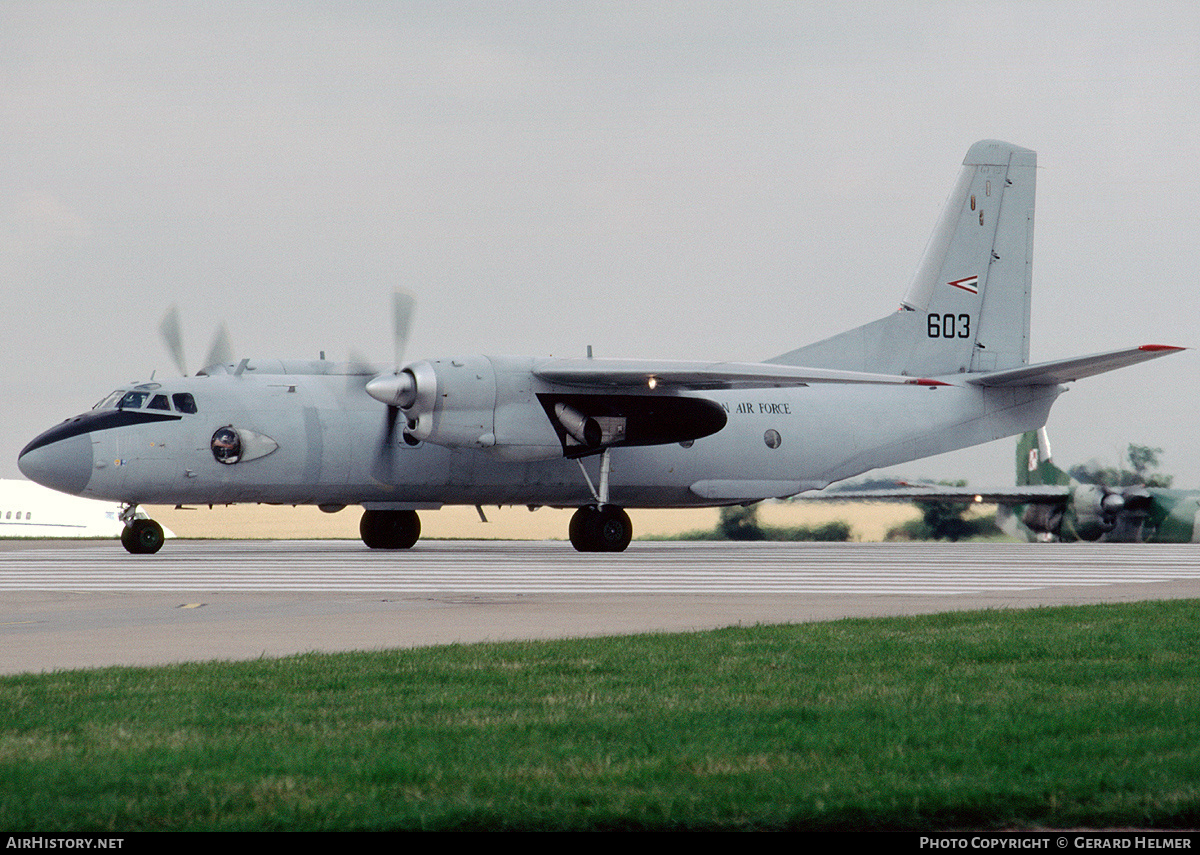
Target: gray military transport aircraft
949,369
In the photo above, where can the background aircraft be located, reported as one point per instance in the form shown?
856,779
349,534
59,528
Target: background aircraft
1047,504
948,370
31,510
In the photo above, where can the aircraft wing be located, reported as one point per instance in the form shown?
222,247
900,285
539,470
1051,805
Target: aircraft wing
658,374
1028,494
1076,368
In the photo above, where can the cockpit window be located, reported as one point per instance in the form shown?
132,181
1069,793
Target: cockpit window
111,401
137,399
133,401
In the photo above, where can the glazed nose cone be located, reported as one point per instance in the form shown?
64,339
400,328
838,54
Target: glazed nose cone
59,460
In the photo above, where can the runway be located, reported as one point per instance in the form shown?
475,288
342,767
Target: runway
88,604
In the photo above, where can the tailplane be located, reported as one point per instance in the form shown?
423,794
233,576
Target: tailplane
967,309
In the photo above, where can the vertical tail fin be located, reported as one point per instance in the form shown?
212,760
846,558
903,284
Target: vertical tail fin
1034,465
967,308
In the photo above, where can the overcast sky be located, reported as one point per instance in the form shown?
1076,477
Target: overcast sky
692,180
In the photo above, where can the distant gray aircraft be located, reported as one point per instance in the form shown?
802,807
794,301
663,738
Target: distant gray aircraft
948,370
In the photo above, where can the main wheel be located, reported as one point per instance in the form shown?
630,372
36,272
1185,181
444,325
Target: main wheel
142,537
614,529
582,529
390,529
600,529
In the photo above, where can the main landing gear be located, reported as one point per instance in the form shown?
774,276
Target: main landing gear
601,527
141,536
389,529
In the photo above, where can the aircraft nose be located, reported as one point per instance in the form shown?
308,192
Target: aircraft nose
61,463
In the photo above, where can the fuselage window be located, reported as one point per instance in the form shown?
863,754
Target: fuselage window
159,402
184,402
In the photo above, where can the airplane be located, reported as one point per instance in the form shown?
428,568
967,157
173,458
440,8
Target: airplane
1048,505
31,510
949,369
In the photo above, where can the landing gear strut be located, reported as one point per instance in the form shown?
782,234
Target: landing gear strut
142,537
389,529
600,527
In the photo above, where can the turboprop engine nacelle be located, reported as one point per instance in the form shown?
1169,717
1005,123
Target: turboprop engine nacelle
450,402
498,404
1094,511
477,402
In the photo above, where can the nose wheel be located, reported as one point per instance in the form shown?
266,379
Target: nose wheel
142,537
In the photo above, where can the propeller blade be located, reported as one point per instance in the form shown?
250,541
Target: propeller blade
359,370
220,352
172,335
381,471
390,432
403,308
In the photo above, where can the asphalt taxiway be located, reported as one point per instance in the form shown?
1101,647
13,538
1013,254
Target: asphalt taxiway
88,604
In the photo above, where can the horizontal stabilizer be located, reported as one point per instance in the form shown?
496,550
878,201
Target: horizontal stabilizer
1076,368
658,374
941,493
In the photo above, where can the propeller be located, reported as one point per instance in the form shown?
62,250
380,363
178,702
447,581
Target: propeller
1099,510
403,310
220,351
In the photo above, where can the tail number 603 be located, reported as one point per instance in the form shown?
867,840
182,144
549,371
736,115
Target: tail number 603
949,326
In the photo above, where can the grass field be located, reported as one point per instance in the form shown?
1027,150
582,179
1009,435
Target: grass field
1065,717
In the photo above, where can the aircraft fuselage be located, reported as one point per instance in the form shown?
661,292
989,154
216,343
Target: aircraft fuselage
321,440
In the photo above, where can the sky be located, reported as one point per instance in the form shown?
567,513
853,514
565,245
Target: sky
676,180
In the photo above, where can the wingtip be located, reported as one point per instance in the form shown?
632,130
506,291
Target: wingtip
925,381
1160,347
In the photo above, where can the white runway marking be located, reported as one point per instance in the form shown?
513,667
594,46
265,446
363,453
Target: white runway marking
484,567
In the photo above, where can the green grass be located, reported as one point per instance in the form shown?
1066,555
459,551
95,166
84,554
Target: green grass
1066,717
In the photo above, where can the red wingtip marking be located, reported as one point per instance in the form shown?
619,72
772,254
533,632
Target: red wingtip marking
1154,347
924,381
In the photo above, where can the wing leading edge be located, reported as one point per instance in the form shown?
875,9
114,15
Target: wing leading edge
653,374
656,374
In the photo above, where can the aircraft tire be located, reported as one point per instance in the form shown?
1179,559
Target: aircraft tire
142,537
600,529
581,528
390,529
614,529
